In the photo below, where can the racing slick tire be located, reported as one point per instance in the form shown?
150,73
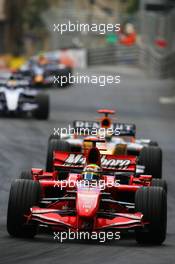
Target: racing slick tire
54,145
23,195
74,148
153,143
26,175
160,183
42,112
152,203
52,136
151,158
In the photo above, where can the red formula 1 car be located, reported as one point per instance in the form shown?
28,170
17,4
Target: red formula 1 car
89,192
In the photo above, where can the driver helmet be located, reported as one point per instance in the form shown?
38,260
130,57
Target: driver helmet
11,83
42,60
91,172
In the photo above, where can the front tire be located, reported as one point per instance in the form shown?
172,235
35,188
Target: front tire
23,195
152,202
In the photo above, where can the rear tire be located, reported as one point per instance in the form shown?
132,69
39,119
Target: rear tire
42,112
152,202
55,145
160,183
23,195
153,143
151,158
52,136
26,175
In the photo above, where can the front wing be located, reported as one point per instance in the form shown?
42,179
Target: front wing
55,218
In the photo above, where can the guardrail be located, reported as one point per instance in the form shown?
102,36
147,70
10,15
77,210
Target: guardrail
113,55
156,64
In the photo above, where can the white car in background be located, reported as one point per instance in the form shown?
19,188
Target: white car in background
17,99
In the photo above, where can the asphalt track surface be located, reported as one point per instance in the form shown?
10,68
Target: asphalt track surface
23,145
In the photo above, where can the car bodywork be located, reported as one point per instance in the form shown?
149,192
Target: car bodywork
124,134
81,206
44,75
63,200
18,99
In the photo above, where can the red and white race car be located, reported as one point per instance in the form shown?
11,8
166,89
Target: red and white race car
89,192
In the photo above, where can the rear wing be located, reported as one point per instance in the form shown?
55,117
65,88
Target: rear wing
125,129
88,127
65,160
18,83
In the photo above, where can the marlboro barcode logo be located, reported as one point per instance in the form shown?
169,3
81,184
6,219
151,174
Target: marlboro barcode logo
115,163
79,160
74,159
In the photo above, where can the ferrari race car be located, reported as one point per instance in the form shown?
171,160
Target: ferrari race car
17,99
122,134
44,73
89,192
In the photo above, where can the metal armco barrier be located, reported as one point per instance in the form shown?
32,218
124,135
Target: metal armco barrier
113,55
156,64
